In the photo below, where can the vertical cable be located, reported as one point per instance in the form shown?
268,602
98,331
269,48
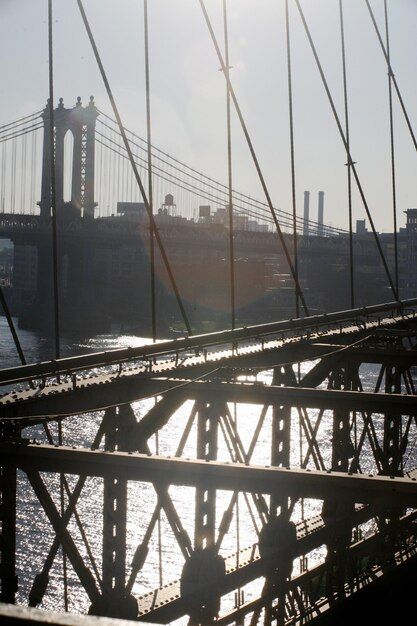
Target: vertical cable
229,172
348,164
134,167
55,256
253,154
293,177
343,138
150,188
393,177
391,73
151,237
53,186
294,204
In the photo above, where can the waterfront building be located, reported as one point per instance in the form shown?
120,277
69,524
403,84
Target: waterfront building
107,261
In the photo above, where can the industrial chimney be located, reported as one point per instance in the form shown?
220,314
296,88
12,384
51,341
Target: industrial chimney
320,213
306,212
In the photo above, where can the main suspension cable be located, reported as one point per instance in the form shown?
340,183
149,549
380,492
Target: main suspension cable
22,121
21,132
260,210
214,184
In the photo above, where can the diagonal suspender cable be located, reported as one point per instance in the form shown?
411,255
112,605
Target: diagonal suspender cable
53,185
391,74
150,188
253,154
348,164
292,150
350,160
229,173
133,164
391,125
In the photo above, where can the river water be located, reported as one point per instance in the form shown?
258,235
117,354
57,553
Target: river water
165,560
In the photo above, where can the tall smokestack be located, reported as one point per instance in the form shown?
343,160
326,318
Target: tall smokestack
320,213
306,212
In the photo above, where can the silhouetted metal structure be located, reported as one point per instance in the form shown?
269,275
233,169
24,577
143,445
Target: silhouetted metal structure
345,448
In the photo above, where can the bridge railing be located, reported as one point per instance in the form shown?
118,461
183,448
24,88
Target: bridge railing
176,347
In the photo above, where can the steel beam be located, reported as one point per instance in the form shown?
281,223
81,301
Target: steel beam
114,509
208,417
359,488
166,604
83,573
281,435
129,389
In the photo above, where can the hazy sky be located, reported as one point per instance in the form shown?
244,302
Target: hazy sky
188,90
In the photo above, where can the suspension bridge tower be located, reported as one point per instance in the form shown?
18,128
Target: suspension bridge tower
73,172
80,122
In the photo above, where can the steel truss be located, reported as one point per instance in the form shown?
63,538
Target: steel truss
328,512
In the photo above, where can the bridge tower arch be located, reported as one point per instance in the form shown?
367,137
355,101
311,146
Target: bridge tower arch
80,121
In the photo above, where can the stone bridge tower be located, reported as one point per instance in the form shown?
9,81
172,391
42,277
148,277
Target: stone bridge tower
80,121
77,246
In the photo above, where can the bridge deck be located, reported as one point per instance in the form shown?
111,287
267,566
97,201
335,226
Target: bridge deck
129,381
